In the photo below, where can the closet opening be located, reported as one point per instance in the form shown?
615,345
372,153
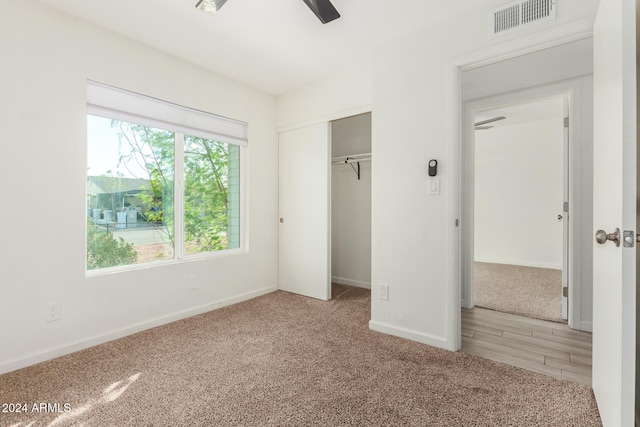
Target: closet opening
350,204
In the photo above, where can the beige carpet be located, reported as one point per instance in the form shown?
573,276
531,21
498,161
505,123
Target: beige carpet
287,360
526,291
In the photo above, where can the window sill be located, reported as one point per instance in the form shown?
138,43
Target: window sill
162,263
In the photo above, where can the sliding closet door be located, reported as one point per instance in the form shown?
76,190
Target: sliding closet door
304,211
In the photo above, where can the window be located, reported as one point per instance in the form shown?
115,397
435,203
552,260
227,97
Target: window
163,181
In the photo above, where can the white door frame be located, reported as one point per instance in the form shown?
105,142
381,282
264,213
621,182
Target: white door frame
570,89
559,36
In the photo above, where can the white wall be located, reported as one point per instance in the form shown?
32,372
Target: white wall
351,203
416,116
47,58
570,60
343,95
351,135
518,193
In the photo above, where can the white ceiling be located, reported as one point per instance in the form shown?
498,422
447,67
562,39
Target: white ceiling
273,45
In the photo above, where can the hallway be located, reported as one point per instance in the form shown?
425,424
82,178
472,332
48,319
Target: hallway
541,346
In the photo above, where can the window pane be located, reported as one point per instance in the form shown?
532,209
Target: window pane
130,178
211,195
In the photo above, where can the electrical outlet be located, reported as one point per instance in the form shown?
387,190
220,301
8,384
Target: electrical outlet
192,282
53,312
383,293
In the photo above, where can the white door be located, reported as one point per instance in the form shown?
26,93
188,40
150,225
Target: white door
614,200
304,211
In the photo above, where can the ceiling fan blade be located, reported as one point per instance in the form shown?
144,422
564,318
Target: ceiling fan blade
323,9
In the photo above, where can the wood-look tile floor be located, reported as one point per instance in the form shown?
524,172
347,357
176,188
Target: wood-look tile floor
537,345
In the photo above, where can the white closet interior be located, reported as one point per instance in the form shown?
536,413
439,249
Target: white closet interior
351,201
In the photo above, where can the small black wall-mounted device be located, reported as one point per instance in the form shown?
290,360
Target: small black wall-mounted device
433,167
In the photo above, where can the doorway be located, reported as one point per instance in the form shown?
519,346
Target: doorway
523,184
576,214
520,180
523,341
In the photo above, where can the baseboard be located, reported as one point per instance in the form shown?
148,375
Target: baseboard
584,326
520,263
52,353
349,282
410,335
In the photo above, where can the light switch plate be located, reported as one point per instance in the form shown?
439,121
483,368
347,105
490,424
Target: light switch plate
434,186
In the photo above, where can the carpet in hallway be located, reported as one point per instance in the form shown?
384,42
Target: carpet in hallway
525,291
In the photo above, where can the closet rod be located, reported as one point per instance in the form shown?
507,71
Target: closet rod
362,156
350,160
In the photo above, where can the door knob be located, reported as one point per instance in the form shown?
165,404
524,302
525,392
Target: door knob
559,217
281,220
602,237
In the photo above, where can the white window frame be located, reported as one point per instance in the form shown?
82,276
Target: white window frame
114,103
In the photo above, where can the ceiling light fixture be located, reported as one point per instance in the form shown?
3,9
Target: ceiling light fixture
323,9
210,6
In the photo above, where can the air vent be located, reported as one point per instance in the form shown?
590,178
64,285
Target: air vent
519,13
